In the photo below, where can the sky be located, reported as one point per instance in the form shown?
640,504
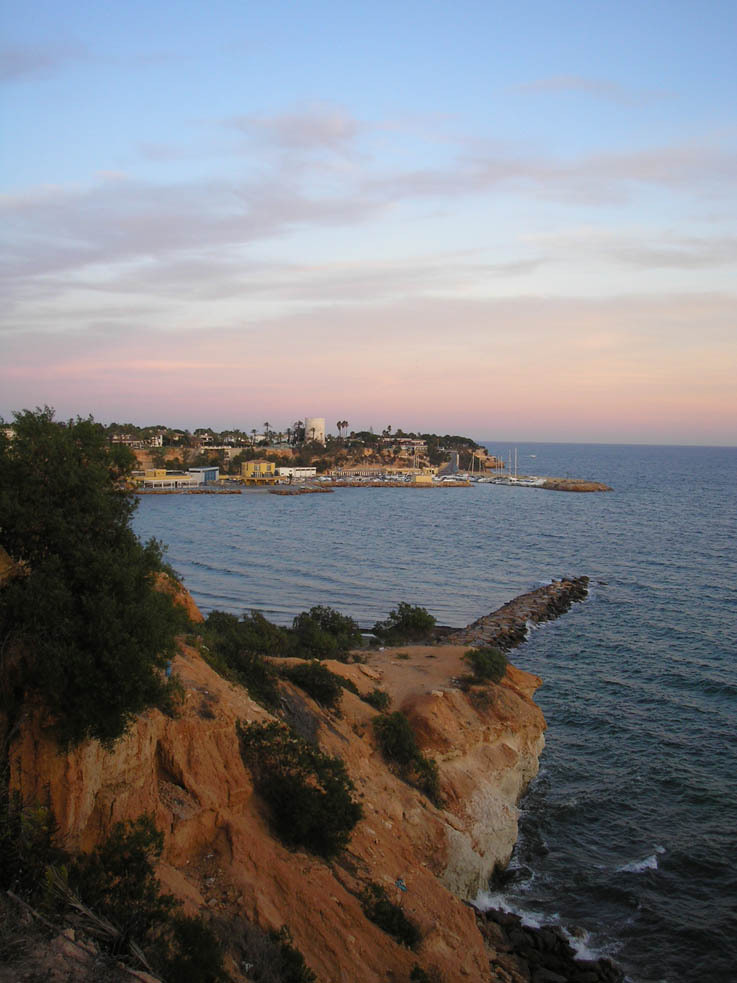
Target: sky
511,220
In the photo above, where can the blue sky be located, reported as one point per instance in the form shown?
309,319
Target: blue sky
424,208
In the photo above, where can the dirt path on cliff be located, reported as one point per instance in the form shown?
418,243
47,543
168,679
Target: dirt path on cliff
412,669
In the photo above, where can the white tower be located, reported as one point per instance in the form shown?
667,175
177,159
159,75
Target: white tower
315,428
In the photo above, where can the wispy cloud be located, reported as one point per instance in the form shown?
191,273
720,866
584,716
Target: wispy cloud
598,88
642,249
599,178
318,127
19,62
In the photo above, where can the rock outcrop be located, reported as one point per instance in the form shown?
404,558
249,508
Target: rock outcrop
220,855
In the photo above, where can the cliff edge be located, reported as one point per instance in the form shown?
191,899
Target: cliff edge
220,855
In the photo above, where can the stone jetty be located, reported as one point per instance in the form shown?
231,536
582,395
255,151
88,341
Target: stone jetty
506,627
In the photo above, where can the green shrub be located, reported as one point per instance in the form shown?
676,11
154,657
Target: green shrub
188,951
324,633
309,793
420,975
389,916
347,684
426,778
272,957
488,664
112,892
233,648
317,681
407,623
118,881
86,626
378,699
396,737
26,845
398,744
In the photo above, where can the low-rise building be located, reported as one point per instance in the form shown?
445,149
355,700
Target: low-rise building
296,473
161,478
206,475
258,472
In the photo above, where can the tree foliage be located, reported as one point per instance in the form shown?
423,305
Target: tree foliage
84,622
324,633
406,623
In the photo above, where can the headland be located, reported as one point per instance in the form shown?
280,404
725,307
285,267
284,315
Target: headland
222,856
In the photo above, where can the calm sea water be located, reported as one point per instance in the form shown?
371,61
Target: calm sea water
629,834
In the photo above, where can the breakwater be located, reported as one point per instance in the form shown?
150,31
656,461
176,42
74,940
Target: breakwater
506,627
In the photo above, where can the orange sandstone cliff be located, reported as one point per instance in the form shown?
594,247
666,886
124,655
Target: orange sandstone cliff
220,856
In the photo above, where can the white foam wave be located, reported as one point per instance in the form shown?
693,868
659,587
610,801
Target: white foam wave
580,942
639,866
495,899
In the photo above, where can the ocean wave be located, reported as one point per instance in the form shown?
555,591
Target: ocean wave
640,866
580,940
498,901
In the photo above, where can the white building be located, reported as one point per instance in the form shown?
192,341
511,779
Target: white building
298,474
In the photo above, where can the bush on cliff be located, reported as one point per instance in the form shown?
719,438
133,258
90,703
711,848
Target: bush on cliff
234,648
389,916
379,699
324,633
488,664
398,744
406,623
317,681
83,627
117,881
272,957
309,793
112,894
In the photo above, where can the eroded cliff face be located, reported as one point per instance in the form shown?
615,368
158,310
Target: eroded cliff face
221,856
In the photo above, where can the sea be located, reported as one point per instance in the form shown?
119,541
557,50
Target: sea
628,836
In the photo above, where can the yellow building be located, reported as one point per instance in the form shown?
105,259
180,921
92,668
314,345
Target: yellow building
258,472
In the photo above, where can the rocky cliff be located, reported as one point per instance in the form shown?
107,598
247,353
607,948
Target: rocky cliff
220,855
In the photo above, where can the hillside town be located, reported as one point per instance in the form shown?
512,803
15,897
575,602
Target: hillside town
171,459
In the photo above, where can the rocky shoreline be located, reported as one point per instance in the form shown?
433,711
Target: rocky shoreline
507,627
523,954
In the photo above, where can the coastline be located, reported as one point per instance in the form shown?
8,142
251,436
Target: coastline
485,741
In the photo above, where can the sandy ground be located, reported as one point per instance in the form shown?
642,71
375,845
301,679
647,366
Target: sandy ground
412,669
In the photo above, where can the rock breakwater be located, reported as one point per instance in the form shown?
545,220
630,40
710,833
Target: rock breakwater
507,627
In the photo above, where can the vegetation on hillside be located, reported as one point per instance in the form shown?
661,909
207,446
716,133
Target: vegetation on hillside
488,664
111,895
406,623
309,793
83,626
235,647
324,633
389,916
398,744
